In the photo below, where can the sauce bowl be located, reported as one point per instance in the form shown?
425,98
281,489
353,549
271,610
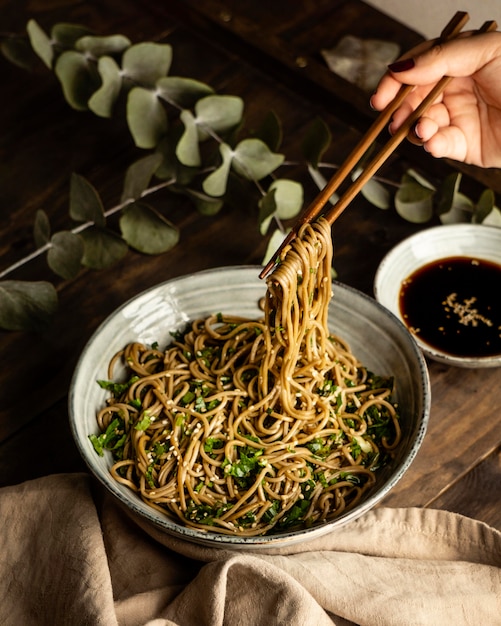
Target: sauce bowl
469,310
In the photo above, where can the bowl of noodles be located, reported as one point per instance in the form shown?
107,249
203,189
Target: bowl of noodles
233,412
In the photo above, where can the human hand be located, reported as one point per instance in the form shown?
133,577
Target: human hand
464,123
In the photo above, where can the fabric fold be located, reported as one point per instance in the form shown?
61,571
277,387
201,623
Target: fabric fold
69,554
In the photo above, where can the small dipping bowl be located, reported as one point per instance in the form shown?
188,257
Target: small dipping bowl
460,305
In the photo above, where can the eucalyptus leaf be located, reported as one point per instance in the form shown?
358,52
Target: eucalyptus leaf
171,168
270,131
484,206
204,204
187,150
66,34
461,210
493,219
182,92
41,43
361,61
317,177
417,177
453,206
414,203
253,160
217,113
26,305
447,192
19,52
65,254
289,197
316,141
41,229
85,202
98,46
146,230
284,200
377,194
146,117
139,175
102,248
103,99
267,209
79,79
216,182
274,243
144,63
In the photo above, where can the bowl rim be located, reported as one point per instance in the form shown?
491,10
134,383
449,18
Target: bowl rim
389,260
166,524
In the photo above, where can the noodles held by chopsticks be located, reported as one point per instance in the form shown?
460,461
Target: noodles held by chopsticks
247,426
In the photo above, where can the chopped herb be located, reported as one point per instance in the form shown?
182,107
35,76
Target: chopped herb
380,382
149,476
188,397
180,419
212,444
117,389
352,478
204,513
113,437
294,515
144,422
178,335
323,480
159,449
328,388
200,405
318,448
244,469
355,448
272,512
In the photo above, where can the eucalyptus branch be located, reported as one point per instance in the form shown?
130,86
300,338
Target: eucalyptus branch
177,122
80,228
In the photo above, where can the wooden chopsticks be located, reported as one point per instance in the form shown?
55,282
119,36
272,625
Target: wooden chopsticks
451,31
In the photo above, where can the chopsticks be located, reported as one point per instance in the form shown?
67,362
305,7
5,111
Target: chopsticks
451,31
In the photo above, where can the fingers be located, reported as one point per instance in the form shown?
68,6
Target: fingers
460,57
425,129
449,142
436,117
387,90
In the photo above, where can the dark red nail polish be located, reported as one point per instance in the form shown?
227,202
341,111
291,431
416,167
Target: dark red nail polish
401,66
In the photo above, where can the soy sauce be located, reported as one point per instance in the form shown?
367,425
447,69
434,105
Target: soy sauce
454,305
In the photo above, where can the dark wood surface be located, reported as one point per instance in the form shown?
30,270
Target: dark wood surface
270,57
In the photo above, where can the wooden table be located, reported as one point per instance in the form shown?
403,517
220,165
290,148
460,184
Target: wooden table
270,57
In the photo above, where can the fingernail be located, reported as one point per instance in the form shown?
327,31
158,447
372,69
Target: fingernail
416,130
401,66
370,102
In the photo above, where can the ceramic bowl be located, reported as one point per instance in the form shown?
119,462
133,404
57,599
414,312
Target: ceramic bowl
375,335
473,241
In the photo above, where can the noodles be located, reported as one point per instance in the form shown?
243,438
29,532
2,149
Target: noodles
247,426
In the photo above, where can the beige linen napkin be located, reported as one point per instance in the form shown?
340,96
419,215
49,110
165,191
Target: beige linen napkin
69,555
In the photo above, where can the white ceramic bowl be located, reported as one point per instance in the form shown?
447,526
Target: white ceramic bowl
428,246
379,340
